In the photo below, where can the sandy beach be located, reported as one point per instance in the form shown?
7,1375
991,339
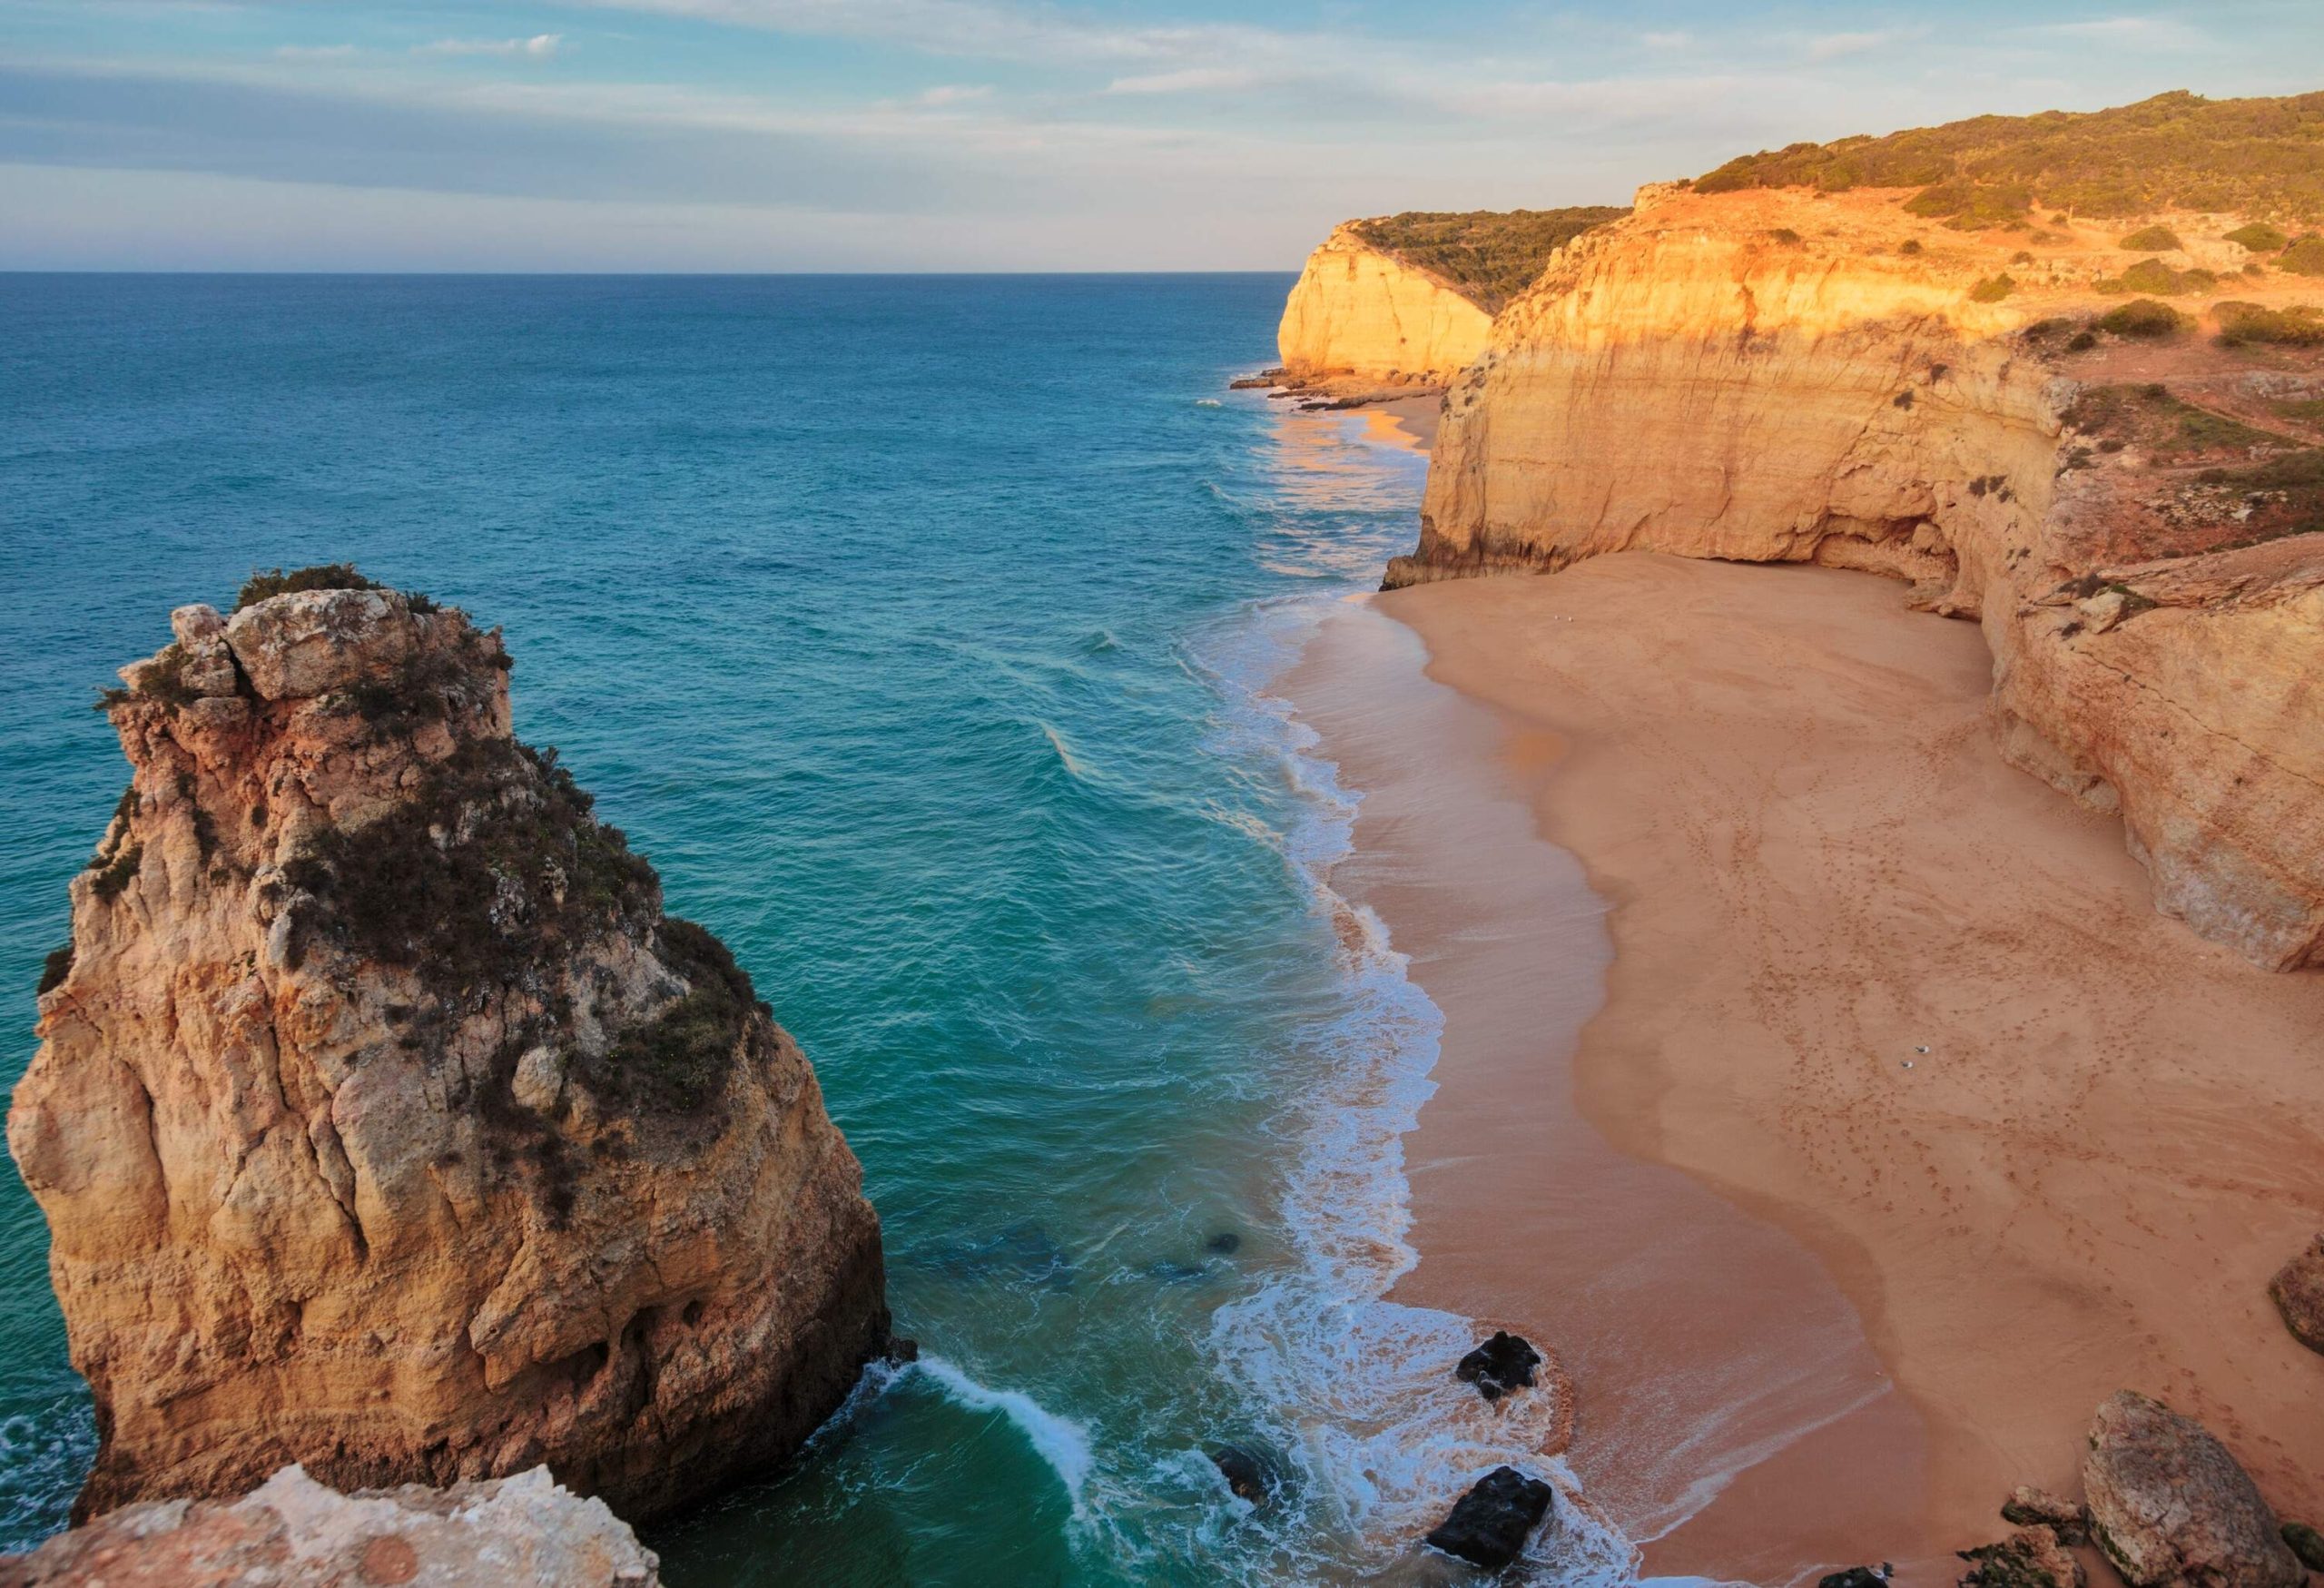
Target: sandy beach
1826,1094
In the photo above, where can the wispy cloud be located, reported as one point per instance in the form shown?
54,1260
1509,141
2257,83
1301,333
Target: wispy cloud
1839,47
1666,41
1189,80
948,94
540,46
2153,34
313,52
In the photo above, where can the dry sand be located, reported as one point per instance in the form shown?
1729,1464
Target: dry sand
1736,1195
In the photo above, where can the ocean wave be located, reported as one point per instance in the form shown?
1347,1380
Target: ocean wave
1381,1432
1061,1442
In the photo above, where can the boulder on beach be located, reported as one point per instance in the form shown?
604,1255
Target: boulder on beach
1858,1577
2171,1506
1489,1526
2306,1543
2032,1557
2028,1507
2297,1291
1504,1363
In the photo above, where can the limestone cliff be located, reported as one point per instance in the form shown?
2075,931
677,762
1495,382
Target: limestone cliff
1358,311
383,1121
1794,375
291,1532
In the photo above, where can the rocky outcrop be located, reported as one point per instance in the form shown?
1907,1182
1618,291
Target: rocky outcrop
1356,310
1796,376
521,1531
385,1124
2028,1507
1488,1526
2170,1505
1503,1363
2297,1291
2032,1557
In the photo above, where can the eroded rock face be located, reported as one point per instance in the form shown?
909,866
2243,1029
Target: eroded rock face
1357,311
2032,1557
2170,1505
1783,375
2029,1507
2297,1291
521,1531
385,1124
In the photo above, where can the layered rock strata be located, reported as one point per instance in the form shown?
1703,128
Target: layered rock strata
385,1124
291,1532
1786,375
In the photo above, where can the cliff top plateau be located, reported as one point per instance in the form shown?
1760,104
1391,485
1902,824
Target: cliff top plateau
1487,256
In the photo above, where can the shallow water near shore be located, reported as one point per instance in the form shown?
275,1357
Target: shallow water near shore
921,630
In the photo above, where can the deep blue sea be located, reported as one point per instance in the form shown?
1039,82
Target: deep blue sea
920,630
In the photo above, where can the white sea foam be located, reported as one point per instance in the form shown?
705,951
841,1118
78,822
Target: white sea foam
1383,1434
1059,1441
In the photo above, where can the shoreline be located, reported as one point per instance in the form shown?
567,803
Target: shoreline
1782,785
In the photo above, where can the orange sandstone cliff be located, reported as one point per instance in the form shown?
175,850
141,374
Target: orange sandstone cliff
1409,299
1356,310
2131,513
385,1124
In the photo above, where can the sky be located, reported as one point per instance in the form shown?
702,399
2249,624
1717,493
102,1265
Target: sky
976,134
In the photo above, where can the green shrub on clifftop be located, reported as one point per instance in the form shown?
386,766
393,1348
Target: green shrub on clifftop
267,583
2259,238
1487,256
2145,318
2174,152
2150,239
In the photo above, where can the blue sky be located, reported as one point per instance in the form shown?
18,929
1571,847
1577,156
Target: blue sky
974,135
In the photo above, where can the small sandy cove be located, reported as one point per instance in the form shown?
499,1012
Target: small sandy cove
1827,1094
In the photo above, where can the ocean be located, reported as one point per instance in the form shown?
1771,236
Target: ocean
921,630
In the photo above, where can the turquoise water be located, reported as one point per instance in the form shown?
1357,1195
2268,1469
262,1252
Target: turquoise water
920,630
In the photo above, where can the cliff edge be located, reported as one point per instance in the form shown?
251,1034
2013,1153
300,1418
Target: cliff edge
383,1121
2100,439
1409,299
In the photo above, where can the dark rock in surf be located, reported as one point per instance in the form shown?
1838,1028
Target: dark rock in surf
1489,1526
1501,1364
2307,1543
1859,1577
1249,1475
1226,1243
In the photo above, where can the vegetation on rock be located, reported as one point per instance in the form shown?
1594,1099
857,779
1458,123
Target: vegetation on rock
1487,256
492,865
264,584
2262,157
2304,258
2299,325
2152,275
2150,239
2259,238
2142,318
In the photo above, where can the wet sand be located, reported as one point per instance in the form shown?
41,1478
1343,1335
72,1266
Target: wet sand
1676,1136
